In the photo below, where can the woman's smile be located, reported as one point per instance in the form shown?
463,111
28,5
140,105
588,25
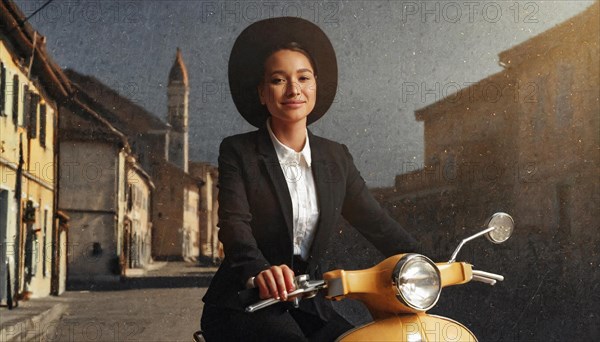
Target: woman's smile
293,104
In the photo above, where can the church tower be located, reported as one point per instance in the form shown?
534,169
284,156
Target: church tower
177,100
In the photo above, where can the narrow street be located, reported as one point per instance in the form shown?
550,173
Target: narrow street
166,314
163,304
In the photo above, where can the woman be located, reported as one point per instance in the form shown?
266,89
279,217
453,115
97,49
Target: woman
282,189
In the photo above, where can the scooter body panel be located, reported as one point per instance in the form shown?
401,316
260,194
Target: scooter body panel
411,328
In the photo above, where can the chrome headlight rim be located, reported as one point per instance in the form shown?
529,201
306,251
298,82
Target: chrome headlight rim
398,271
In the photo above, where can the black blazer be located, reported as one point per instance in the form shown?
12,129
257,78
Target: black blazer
255,210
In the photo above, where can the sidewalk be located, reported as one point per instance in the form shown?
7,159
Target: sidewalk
35,318
31,319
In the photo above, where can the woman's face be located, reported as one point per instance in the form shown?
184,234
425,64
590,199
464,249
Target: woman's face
289,87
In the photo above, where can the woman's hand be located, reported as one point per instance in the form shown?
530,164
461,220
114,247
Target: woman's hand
275,282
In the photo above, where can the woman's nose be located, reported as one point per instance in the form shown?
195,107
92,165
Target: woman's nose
293,89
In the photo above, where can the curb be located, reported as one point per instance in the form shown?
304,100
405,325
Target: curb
145,282
32,328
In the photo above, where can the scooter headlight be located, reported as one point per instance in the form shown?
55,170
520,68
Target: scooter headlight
417,282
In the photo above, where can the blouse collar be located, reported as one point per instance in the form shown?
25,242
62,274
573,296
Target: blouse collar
286,154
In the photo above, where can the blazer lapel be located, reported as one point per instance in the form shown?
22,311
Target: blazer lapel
324,185
271,164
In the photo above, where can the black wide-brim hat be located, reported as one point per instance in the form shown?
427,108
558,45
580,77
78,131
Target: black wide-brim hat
253,46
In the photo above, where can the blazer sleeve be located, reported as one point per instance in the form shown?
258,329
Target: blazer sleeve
364,213
235,232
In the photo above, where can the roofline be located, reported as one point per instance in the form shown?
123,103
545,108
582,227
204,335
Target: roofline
121,100
75,101
21,34
518,54
189,178
139,168
508,59
464,97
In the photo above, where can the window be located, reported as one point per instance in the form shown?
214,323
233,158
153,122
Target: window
15,102
43,125
31,249
34,99
26,102
2,90
138,197
45,245
4,210
130,198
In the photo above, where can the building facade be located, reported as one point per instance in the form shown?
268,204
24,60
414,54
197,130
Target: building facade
106,193
175,213
31,90
525,141
176,219
211,249
138,217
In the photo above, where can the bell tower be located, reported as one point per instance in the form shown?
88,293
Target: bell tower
177,116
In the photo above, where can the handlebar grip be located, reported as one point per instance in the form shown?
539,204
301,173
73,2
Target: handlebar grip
487,277
270,301
496,277
261,304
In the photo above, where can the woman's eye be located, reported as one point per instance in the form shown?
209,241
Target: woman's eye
305,78
277,80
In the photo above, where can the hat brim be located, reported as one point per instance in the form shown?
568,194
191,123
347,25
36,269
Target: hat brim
250,51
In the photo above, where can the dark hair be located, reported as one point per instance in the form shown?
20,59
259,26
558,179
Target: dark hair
292,46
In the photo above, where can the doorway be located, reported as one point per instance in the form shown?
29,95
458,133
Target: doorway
3,245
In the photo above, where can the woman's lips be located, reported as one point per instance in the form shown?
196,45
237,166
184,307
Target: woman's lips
293,104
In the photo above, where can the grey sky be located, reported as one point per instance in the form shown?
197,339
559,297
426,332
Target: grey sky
382,48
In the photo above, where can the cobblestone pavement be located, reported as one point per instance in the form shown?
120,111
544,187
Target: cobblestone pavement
129,315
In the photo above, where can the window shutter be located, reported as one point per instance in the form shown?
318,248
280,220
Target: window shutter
26,103
43,125
2,90
15,102
32,128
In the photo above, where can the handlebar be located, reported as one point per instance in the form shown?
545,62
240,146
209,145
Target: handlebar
306,288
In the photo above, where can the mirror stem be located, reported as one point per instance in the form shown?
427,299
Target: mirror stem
483,232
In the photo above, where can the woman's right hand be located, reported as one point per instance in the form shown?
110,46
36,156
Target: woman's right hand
275,282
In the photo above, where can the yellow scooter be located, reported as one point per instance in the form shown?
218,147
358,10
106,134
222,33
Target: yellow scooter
401,289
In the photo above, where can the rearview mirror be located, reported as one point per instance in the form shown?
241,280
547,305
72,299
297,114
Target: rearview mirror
498,229
503,225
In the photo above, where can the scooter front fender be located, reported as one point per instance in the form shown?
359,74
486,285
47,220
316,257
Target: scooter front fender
411,328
